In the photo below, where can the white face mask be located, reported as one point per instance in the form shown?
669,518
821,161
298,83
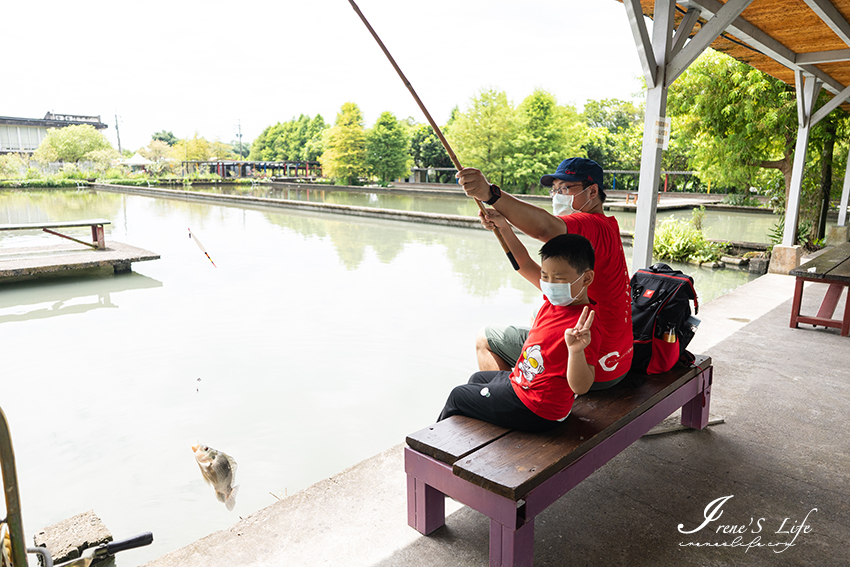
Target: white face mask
562,205
559,293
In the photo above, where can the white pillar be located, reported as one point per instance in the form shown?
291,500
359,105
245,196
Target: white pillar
650,171
656,111
807,93
845,192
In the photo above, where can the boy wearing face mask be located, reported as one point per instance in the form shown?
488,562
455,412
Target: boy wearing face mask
558,359
577,200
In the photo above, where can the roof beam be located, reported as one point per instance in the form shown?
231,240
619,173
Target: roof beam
684,30
818,57
715,26
831,17
836,101
756,38
644,47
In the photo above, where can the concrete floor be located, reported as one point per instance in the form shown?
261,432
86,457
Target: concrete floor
782,456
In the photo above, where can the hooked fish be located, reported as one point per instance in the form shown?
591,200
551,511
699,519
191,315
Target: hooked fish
219,470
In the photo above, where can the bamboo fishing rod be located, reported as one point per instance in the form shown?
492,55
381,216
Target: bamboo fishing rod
433,124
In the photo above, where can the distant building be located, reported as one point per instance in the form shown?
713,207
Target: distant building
23,135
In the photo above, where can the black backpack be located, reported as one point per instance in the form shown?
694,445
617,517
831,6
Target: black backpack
660,311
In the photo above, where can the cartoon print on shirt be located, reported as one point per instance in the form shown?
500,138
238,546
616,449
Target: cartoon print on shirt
530,364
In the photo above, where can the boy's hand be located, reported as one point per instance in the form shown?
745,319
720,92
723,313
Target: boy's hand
579,337
474,183
492,219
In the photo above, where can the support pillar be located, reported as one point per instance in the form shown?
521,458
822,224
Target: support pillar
808,89
656,111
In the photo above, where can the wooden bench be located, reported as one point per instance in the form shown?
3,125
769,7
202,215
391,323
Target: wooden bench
511,476
833,268
98,242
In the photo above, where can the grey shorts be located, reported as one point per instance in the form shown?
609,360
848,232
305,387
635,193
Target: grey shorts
506,342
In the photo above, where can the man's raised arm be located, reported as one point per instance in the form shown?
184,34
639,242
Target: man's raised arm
533,221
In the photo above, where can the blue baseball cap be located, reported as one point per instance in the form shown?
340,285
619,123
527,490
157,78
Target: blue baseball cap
575,169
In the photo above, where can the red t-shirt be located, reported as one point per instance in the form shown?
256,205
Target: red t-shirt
610,290
540,375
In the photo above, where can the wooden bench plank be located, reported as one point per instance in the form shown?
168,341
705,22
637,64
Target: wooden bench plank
825,264
515,463
454,438
61,224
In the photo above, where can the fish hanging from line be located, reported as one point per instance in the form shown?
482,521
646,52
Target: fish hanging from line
201,246
219,470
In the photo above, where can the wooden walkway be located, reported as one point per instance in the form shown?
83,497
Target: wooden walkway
41,260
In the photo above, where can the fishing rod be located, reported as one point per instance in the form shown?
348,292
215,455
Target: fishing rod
433,124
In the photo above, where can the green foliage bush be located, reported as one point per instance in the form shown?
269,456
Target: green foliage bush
741,200
681,241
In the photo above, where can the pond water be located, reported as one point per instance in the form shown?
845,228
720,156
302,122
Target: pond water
318,341
721,225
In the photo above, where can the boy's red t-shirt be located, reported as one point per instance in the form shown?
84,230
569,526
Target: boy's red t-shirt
612,328
540,375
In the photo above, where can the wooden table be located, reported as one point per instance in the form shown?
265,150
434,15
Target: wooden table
833,268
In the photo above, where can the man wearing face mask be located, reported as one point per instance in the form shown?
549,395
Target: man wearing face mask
577,199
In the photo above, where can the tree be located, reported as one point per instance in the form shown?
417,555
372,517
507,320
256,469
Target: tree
387,148
613,114
736,119
70,144
344,157
156,150
192,149
426,148
545,135
164,136
240,149
481,136
295,140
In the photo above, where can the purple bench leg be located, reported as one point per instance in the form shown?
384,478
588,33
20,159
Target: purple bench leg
695,412
511,548
426,506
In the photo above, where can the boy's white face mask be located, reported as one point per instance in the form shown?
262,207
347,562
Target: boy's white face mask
560,294
562,205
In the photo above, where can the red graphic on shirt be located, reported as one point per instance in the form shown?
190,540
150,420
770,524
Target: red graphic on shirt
648,293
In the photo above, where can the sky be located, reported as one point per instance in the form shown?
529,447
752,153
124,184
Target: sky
215,67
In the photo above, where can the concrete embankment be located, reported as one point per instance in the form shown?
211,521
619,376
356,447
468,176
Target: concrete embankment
677,202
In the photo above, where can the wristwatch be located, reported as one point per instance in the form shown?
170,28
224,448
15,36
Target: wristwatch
495,193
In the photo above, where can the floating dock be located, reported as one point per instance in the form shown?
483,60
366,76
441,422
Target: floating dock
42,260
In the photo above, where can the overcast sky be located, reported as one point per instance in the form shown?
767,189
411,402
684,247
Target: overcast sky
190,66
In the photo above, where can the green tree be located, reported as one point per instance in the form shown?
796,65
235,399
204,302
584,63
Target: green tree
613,114
240,149
344,157
426,148
70,144
736,119
546,133
164,136
156,150
387,148
294,140
482,134
192,149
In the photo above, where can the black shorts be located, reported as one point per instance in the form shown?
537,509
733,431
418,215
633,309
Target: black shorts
489,396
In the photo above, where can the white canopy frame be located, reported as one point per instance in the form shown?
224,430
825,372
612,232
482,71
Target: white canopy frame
667,55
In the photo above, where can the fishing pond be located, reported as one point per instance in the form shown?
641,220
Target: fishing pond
317,341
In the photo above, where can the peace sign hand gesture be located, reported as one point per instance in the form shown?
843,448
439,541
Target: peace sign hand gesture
578,337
